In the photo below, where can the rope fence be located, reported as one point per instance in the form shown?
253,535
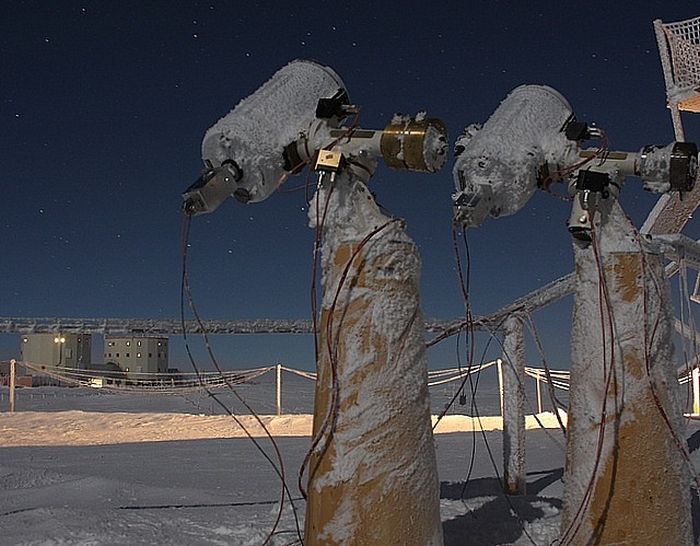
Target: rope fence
188,383
173,383
192,384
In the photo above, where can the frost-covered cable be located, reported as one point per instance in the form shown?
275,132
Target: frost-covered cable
556,403
462,374
463,282
487,445
318,238
306,375
528,403
566,171
558,384
604,305
470,339
685,304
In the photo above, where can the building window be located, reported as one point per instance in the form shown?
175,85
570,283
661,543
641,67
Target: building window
117,355
159,344
150,355
138,343
128,355
110,344
25,340
128,343
138,355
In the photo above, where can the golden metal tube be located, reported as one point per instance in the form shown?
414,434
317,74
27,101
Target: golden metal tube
403,145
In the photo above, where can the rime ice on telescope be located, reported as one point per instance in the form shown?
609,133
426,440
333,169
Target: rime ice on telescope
621,392
257,130
433,150
373,439
495,169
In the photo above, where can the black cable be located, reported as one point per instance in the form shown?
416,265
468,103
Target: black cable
464,286
185,290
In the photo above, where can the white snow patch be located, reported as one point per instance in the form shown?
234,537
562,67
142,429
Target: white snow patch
543,531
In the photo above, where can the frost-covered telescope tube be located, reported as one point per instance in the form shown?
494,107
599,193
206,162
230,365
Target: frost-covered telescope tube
245,148
496,168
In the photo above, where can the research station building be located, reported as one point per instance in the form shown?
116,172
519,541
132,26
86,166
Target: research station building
57,350
137,354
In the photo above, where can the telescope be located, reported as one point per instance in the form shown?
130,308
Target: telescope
284,125
534,139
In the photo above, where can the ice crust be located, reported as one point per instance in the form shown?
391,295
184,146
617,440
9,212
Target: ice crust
514,404
592,355
255,133
434,149
500,161
383,433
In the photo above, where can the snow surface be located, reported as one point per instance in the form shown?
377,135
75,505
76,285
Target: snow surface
201,492
221,491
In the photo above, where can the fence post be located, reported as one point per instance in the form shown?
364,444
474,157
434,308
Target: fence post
278,369
499,365
513,406
13,379
696,390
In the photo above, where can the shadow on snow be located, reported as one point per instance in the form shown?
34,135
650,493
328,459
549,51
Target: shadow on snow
499,520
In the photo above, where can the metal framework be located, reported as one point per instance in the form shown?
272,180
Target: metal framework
527,304
541,297
679,50
130,326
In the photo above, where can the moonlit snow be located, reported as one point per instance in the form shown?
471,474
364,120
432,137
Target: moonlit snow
83,466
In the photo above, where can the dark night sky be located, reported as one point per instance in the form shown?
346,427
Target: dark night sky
103,106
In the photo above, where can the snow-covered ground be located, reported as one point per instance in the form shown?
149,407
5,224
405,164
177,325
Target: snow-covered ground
212,490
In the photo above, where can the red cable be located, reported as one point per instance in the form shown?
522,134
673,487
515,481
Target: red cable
280,468
577,520
330,419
